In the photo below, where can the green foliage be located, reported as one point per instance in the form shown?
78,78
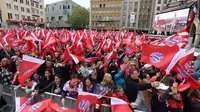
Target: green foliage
79,17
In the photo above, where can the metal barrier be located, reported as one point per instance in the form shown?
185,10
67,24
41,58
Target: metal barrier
9,93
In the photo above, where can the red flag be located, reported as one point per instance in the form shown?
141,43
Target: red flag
181,54
54,107
65,38
29,46
158,56
185,60
84,102
90,43
79,49
19,102
187,77
38,107
178,38
67,56
50,41
77,59
15,43
28,66
117,105
31,36
92,59
130,50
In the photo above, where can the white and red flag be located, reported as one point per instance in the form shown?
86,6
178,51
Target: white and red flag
184,60
38,107
158,56
28,66
118,105
20,102
85,101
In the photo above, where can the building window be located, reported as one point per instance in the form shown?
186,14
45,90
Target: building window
33,18
135,10
16,7
22,9
33,11
159,1
9,15
52,18
27,2
36,5
15,0
27,10
37,11
23,16
40,6
8,6
22,1
100,5
136,3
60,18
68,6
17,16
28,17
165,2
158,8
64,7
42,20
130,5
32,4
104,5
125,5
41,13
52,8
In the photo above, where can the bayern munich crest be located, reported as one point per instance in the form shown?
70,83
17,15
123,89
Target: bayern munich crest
129,51
84,104
64,40
174,40
156,57
14,43
187,65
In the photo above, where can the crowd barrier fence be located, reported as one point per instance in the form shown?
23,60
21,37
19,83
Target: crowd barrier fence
8,93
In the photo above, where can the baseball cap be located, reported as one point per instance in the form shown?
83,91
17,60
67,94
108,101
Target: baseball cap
162,86
147,65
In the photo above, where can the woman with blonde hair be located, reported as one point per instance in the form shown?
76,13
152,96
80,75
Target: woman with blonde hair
108,82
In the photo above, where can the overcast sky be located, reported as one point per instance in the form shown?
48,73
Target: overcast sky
83,3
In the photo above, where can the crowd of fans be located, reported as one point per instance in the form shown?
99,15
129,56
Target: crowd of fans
140,84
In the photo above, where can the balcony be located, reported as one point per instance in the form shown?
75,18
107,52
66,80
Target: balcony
25,21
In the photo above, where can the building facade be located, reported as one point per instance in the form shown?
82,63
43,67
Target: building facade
144,11
106,14
57,13
31,12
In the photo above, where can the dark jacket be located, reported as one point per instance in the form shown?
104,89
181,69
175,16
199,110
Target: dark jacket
44,82
132,88
159,103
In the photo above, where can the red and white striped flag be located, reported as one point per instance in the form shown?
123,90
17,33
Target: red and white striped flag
118,105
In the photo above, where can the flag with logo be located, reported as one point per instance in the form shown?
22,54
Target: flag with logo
38,107
188,77
85,101
118,105
158,56
27,67
185,60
